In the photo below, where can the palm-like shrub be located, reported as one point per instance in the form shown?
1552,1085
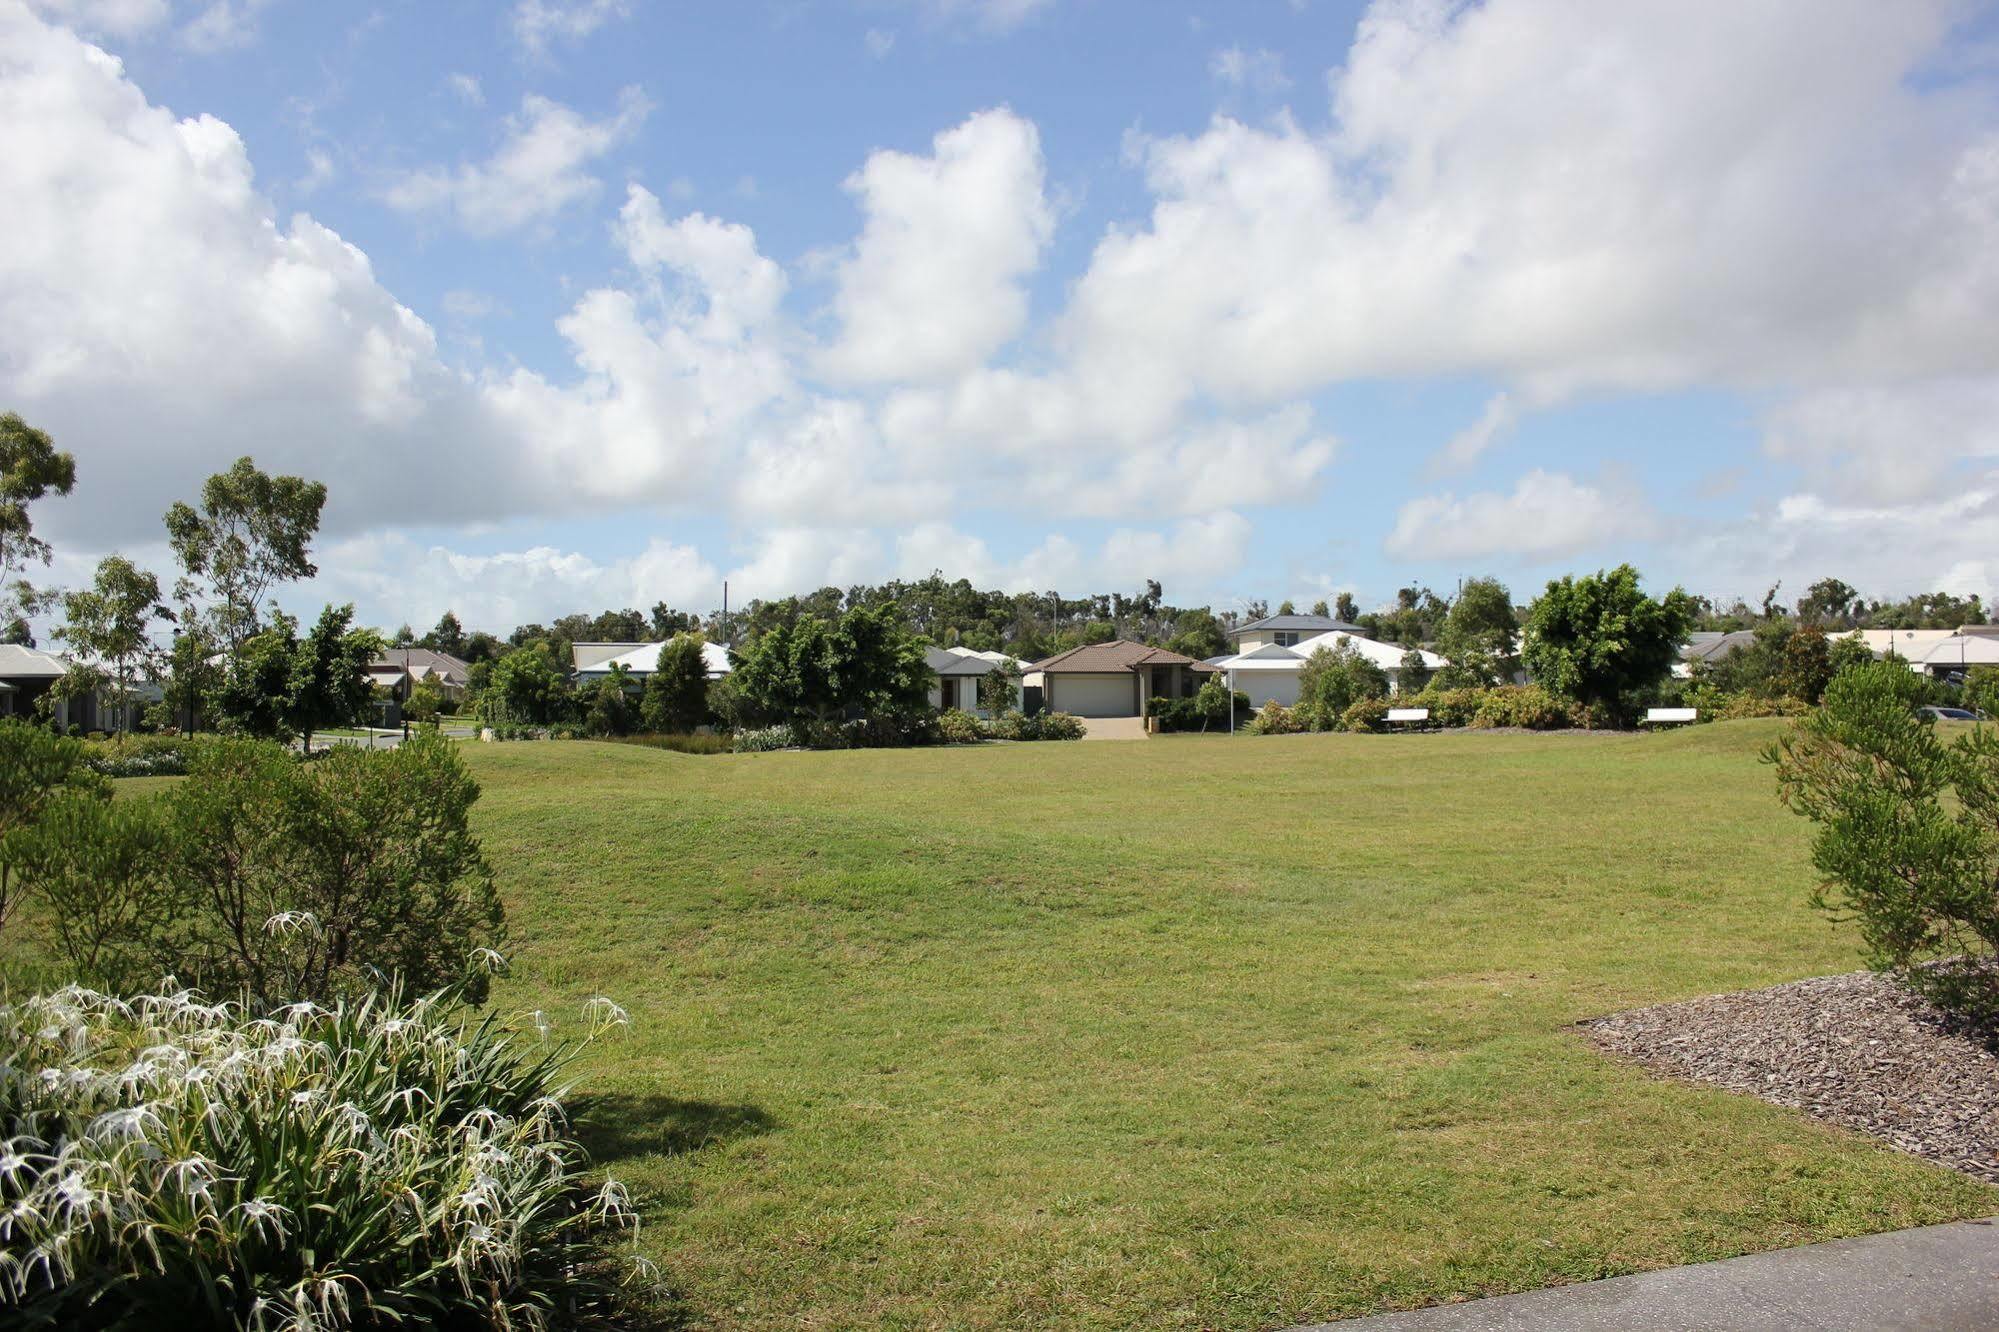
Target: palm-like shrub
171,1163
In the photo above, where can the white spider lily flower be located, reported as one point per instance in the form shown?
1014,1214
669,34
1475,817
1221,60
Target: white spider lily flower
605,1014
490,960
291,922
263,1215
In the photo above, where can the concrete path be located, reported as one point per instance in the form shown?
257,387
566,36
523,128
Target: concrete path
1114,728
1938,1278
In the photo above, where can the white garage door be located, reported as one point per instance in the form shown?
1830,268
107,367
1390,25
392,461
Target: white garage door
1096,695
1268,687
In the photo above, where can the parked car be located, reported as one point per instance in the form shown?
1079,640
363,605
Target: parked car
1950,714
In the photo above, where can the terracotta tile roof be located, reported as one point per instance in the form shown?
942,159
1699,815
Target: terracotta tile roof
1118,655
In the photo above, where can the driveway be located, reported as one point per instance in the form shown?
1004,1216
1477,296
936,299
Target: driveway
1114,728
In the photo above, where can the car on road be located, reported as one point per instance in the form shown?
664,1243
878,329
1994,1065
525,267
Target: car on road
1949,714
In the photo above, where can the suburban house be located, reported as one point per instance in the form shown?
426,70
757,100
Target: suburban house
641,659
1270,672
959,671
1114,679
1706,647
1287,630
396,671
28,673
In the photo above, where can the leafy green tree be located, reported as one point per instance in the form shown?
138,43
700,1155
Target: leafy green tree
425,702
30,468
252,532
1197,634
1286,608
786,673
1414,673
877,665
527,687
328,684
1481,634
676,693
1319,609
1598,638
1333,680
109,622
252,698
1827,601
1806,666
610,709
448,637
192,676
404,637
1907,836
999,688
17,632
1344,608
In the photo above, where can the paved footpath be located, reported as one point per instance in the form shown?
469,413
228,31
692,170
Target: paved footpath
1938,1278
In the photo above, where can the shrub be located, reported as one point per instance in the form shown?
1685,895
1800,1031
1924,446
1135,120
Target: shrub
142,755
172,1163
1527,706
957,727
279,879
676,693
1907,834
1276,719
765,739
1041,726
1451,707
1332,681
37,767
681,744
1367,714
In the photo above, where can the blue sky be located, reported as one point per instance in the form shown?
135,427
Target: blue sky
578,303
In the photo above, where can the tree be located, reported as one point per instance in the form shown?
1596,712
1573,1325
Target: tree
328,683
1415,672
252,532
251,700
110,622
17,633
1319,609
999,688
1805,667
667,623
1907,836
448,637
527,687
1198,634
676,693
610,710
425,701
1286,608
877,665
1829,599
1481,634
786,673
1333,680
36,768
30,467
405,637
1598,638
1344,608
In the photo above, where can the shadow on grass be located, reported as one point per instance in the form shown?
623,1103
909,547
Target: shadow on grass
612,1126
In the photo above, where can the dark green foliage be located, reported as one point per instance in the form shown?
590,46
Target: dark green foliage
681,744
36,767
609,705
1908,834
252,532
1333,680
1598,639
282,687
282,879
1480,636
868,664
957,727
676,694
1367,714
998,688
30,467
525,687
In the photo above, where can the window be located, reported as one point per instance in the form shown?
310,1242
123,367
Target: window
947,692
1287,638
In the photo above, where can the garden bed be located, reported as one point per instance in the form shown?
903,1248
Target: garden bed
1857,1050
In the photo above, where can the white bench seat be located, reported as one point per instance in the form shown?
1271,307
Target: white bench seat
1407,716
1669,716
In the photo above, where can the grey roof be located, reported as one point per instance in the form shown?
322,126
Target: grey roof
26,663
1317,624
418,660
950,663
1707,645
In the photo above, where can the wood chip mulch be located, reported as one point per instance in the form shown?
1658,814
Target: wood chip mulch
1858,1050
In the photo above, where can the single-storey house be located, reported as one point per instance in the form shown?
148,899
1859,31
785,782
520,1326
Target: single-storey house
1954,653
1114,679
1707,647
26,674
1287,630
959,671
641,659
1270,673
399,670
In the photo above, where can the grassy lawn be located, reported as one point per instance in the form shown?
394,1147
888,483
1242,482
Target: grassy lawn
1194,1032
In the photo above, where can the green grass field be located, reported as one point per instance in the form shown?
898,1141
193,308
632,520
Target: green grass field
1194,1032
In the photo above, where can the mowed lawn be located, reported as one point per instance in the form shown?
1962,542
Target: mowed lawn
1194,1032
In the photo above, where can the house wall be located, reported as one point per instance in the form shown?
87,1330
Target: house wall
1268,687
1111,694
967,694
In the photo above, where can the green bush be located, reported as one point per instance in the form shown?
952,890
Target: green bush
171,1163
1451,707
1276,719
680,744
765,739
37,768
142,755
1367,714
1333,680
1907,834
275,878
1042,726
1529,707
957,727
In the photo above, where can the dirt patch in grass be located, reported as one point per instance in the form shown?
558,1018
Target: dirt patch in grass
1857,1050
